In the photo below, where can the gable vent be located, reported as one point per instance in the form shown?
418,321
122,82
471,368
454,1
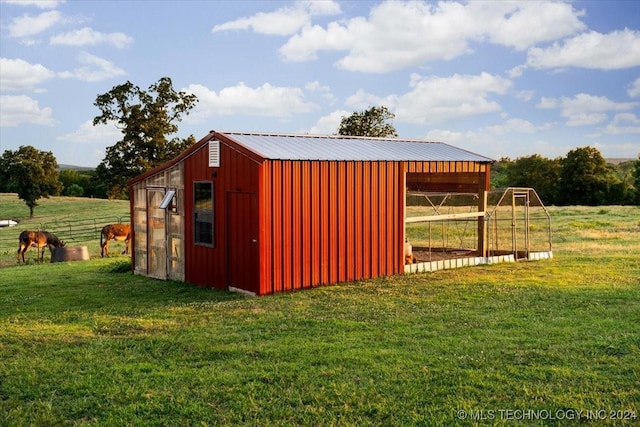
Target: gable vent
214,154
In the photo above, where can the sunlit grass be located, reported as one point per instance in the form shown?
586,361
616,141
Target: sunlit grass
84,343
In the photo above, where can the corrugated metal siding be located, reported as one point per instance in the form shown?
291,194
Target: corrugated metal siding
330,222
343,148
204,265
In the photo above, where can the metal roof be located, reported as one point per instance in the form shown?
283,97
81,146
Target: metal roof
337,147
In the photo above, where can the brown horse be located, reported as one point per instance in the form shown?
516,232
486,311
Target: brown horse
38,239
115,232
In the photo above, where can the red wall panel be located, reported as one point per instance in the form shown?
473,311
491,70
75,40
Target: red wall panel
332,222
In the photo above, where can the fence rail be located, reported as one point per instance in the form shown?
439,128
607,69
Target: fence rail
71,232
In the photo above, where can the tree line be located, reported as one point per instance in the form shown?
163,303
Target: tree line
582,177
147,118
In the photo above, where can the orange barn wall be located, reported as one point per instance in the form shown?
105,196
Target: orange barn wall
329,221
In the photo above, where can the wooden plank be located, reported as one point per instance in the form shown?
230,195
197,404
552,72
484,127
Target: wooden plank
444,217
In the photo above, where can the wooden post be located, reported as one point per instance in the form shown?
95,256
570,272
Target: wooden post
483,187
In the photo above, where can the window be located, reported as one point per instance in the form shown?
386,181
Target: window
169,201
203,212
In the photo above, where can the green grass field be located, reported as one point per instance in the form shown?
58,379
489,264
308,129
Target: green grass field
554,342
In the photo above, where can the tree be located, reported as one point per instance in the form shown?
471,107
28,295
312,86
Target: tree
636,181
585,178
371,122
31,173
499,178
537,172
73,179
74,190
145,118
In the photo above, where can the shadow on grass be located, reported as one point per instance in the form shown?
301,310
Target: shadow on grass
95,285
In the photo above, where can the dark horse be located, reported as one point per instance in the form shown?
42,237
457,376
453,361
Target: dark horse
38,239
116,232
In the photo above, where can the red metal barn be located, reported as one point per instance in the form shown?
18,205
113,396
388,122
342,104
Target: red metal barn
266,213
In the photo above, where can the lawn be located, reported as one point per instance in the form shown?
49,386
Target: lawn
551,342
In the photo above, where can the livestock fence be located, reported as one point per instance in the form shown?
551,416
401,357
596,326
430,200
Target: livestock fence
446,225
72,232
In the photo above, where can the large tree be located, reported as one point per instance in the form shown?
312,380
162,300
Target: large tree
146,119
31,173
586,179
372,122
537,172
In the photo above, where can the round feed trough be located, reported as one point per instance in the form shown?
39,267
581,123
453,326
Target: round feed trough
70,253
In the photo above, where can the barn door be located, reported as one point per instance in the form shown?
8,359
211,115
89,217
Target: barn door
242,241
156,235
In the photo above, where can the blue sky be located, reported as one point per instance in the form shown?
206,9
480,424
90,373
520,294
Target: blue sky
498,78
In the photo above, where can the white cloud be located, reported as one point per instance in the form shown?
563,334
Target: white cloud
400,34
448,136
585,119
21,109
634,88
525,95
513,126
18,74
439,99
616,50
362,100
323,90
266,101
88,133
283,21
584,109
303,46
395,35
623,123
28,25
41,4
328,125
89,37
547,103
95,69
524,24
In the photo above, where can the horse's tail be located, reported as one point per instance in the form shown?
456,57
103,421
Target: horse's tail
101,244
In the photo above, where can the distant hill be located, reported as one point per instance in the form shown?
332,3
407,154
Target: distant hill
75,168
617,161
